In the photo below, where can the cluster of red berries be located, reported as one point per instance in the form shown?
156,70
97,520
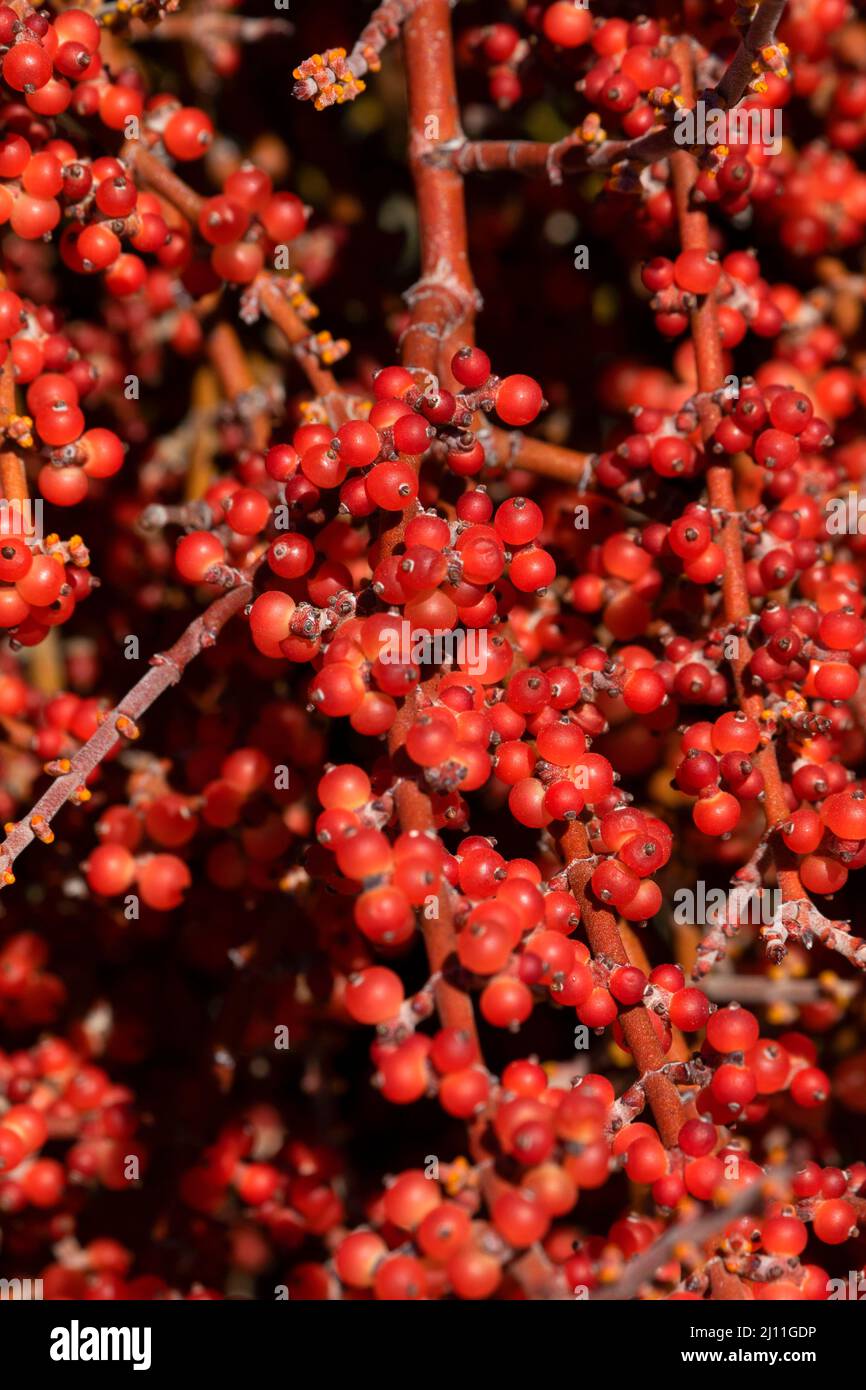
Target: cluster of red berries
432,641
558,1141
52,1092
498,50
41,581
745,301
238,796
46,181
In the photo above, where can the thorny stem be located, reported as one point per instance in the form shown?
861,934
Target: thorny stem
166,669
694,235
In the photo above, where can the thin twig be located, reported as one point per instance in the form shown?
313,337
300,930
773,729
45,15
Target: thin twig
640,1270
166,669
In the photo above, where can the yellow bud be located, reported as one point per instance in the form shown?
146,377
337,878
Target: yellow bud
780,1013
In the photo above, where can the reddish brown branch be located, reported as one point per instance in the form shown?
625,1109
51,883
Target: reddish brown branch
568,156
444,299
604,938
519,450
694,234
489,156
574,155
440,939
164,181
296,332
236,378
760,34
13,477
203,28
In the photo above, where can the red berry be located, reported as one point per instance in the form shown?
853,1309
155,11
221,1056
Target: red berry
518,400
566,24
697,271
